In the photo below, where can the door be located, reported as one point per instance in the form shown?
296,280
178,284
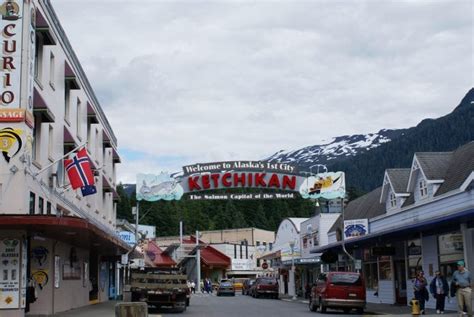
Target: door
400,282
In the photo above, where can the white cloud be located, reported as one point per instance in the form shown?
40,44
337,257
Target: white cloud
199,81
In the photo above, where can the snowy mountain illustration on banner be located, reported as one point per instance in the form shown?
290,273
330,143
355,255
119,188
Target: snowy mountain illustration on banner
152,187
324,185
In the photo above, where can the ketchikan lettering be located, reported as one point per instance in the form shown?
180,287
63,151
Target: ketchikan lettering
227,180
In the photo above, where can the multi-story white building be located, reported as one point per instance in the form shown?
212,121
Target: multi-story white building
52,239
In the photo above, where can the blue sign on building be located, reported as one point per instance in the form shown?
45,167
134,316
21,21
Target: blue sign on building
128,237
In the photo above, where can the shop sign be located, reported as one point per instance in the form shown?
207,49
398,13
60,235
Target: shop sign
128,237
11,25
451,243
355,228
383,251
280,178
242,264
10,273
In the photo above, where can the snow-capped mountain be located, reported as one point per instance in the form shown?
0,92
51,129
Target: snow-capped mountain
339,148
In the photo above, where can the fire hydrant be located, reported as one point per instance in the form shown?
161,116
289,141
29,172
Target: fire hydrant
415,307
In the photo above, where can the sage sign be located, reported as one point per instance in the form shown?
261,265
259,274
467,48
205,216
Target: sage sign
284,179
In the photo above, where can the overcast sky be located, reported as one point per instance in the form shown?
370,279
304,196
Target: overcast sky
184,82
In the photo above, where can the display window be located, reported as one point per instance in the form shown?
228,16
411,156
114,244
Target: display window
450,250
385,270
415,262
371,276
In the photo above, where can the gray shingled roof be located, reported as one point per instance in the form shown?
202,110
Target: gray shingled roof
462,165
399,179
434,164
367,206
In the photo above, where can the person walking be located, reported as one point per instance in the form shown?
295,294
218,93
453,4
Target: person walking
439,289
462,281
421,294
193,287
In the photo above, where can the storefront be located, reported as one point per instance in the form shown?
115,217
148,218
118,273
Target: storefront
420,219
66,264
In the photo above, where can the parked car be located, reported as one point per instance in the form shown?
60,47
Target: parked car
265,286
338,290
226,288
247,286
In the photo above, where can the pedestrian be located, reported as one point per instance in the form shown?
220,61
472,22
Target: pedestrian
421,294
462,282
439,289
193,287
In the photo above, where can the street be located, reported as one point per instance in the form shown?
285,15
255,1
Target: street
213,306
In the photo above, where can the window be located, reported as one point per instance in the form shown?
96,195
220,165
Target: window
40,205
67,101
241,251
414,257
257,243
51,69
235,251
32,203
48,208
385,268
50,143
451,250
39,57
36,145
393,200
305,242
247,251
270,246
423,188
79,119
1,194
371,275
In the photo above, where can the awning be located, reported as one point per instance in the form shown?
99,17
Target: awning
432,225
107,184
72,230
214,258
304,261
91,115
271,256
158,257
68,138
106,139
70,77
43,28
40,108
115,156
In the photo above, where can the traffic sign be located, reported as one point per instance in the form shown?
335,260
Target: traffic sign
265,265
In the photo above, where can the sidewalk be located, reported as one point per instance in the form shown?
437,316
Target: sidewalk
378,309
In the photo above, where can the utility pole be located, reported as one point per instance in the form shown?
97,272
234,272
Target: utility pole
198,263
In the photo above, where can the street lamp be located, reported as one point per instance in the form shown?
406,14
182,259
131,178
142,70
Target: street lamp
292,247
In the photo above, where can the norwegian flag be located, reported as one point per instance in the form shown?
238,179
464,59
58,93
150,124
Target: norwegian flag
80,173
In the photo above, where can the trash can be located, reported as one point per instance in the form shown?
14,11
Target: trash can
131,309
415,307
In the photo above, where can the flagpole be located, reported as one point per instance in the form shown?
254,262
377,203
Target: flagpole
59,159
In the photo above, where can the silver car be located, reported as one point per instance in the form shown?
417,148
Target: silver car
226,288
